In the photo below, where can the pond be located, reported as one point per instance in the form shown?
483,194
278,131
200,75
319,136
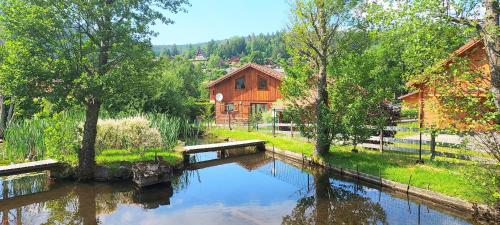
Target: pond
251,189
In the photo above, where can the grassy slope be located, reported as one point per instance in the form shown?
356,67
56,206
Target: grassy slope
117,156
442,175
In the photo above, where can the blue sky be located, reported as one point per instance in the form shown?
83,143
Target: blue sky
221,19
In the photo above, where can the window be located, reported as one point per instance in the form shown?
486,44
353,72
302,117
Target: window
262,83
258,108
229,107
240,83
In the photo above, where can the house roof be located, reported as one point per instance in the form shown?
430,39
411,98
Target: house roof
266,70
408,95
470,45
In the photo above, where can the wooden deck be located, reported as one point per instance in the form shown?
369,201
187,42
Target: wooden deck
28,167
223,146
222,161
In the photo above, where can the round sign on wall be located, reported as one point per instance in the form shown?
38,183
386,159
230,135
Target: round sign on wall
218,97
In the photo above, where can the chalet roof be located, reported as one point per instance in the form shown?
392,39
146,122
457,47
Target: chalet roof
464,49
408,95
266,70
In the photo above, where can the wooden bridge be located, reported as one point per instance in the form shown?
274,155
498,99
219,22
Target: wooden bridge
223,146
28,167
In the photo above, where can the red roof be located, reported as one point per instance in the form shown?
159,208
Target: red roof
470,45
266,70
408,95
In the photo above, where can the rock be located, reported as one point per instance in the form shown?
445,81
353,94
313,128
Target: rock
149,173
65,171
107,173
153,196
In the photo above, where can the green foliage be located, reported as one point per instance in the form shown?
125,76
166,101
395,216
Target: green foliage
416,35
169,128
127,133
24,139
63,135
409,113
259,48
175,88
116,156
447,176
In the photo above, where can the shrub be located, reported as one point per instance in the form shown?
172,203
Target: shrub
169,128
268,117
127,133
409,113
63,136
24,140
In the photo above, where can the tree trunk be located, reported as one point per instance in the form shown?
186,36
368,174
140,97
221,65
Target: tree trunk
3,116
5,194
10,113
322,190
86,156
492,43
322,131
87,205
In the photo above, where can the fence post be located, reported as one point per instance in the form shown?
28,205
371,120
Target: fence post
274,122
381,140
420,160
291,128
433,144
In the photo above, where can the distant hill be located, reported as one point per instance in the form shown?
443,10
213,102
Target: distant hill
157,49
256,48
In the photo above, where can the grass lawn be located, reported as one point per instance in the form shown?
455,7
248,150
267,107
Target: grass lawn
403,134
442,175
116,156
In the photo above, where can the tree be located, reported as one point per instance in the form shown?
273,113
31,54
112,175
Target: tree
78,50
313,33
481,16
175,50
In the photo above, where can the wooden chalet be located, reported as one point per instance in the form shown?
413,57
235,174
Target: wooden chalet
249,89
426,99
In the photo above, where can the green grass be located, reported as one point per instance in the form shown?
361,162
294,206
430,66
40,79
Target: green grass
116,156
442,175
458,151
403,134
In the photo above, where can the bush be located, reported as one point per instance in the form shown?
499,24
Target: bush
24,140
128,133
268,117
409,113
169,128
63,136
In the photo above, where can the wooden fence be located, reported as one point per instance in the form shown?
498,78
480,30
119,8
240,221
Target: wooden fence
404,145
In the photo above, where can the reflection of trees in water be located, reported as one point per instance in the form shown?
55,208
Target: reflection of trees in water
80,203
330,205
22,185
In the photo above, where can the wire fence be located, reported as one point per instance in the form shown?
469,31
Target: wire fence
404,138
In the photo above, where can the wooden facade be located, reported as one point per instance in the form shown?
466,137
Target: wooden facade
426,99
249,89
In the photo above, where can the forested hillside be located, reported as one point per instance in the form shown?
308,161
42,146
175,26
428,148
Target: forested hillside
261,48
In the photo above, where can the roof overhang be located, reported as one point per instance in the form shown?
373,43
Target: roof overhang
268,71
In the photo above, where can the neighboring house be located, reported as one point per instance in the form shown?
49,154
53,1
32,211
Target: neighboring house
199,57
247,90
234,60
426,99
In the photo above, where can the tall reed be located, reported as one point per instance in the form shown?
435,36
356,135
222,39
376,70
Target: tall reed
169,128
24,140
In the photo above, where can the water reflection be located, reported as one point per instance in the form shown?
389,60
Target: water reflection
329,205
254,189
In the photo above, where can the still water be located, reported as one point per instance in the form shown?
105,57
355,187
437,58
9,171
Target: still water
252,189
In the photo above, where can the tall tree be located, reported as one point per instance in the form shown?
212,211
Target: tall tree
315,26
479,15
78,49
